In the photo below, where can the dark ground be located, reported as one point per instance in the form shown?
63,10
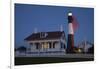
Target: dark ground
45,60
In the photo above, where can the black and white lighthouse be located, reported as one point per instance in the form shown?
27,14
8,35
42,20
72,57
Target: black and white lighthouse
70,41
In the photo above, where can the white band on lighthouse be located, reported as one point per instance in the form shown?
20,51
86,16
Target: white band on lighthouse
70,27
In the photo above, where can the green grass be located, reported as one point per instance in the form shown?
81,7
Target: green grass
45,60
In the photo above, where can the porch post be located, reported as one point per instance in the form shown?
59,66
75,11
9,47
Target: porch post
51,44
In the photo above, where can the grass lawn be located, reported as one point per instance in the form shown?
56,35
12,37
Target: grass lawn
45,60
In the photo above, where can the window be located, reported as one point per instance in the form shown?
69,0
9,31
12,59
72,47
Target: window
43,35
37,46
31,43
45,45
62,46
53,45
50,45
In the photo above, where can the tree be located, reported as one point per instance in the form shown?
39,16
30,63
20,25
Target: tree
91,50
22,49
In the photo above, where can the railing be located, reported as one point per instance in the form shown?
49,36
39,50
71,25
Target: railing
53,54
39,53
45,52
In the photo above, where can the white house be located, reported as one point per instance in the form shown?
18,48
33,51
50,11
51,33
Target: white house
47,43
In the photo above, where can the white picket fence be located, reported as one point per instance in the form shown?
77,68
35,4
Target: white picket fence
52,54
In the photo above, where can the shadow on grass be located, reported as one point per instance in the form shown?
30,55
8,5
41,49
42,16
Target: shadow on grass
45,60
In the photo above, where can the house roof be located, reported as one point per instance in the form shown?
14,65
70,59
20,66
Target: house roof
44,35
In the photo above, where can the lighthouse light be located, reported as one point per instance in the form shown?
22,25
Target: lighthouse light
70,14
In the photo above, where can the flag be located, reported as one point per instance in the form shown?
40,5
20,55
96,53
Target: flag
75,23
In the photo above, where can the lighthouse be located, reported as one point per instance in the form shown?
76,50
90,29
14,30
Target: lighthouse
70,41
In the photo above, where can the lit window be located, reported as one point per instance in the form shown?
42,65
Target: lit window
45,45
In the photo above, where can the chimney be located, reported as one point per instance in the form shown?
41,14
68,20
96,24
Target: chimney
61,27
35,30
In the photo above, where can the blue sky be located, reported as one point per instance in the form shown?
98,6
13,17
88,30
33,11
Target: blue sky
49,18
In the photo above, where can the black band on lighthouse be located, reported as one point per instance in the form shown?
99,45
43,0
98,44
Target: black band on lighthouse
70,19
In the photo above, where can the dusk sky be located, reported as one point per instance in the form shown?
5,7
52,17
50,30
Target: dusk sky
49,18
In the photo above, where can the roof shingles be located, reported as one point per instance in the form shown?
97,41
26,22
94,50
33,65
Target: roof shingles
49,35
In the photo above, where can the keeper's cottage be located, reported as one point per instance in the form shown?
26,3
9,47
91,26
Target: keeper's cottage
47,43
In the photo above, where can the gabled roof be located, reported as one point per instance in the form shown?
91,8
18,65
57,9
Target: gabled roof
45,35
